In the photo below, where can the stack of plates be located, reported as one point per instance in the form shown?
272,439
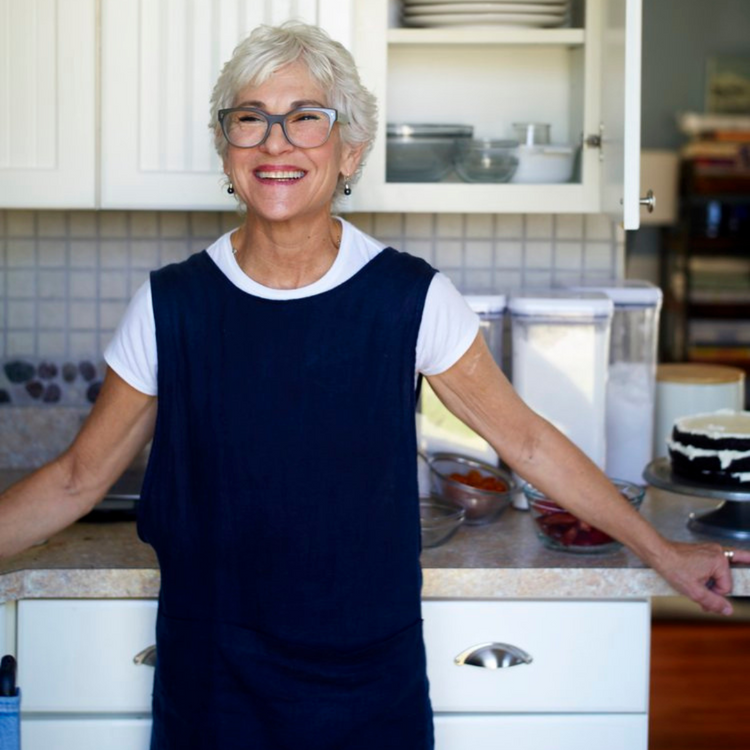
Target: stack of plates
528,13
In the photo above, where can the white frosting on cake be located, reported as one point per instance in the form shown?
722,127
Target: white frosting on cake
724,423
725,457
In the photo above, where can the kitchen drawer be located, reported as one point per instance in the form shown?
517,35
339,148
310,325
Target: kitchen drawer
85,734
544,732
587,656
77,655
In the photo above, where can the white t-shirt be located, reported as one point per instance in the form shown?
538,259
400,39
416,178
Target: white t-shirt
447,329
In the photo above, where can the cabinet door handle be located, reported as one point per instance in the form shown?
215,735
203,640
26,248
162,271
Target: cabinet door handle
649,201
493,656
147,657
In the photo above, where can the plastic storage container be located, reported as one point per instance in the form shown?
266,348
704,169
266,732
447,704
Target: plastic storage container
685,388
560,343
439,430
631,388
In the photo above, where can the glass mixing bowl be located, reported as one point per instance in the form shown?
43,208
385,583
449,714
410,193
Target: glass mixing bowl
422,152
482,490
486,160
561,530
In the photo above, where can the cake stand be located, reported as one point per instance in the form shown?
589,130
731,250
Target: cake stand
731,518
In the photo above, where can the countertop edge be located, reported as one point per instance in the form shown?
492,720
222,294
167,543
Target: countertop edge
438,583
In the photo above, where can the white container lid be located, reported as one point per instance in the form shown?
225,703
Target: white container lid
486,304
567,304
625,292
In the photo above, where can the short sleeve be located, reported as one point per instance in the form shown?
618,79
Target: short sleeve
132,351
448,327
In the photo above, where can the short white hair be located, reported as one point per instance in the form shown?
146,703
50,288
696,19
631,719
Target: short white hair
331,65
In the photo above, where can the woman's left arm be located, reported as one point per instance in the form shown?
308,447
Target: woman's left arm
478,393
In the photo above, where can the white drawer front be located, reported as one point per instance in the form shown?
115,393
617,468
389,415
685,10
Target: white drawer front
579,732
587,656
77,655
85,734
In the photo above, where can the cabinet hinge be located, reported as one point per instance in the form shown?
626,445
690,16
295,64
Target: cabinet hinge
597,141
594,141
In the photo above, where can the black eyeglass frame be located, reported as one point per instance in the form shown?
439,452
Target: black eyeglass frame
332,114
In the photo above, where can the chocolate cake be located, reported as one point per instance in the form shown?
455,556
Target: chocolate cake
712,448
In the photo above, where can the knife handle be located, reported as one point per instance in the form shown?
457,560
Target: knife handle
7,677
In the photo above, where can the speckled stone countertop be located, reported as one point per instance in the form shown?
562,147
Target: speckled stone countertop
501,560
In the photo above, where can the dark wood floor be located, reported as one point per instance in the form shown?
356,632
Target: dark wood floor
700,685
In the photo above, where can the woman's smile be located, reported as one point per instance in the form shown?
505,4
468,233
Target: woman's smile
279,174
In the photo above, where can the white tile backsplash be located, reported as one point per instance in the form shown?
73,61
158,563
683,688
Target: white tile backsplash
83,253
449,225
83,224
52,315
569,227
52,253
509,226
21,284
52,283
20,223
83,284
569,256
20,253
540,227
144,224
509,254
419,225
67,276
449,253
538,255
479,226
21,315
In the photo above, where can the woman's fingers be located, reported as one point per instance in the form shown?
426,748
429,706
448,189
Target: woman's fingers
702,572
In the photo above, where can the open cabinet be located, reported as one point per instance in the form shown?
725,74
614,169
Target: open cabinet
584,80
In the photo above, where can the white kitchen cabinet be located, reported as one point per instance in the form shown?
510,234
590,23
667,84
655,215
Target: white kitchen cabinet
48,100
584,80
76,655
544,732
81,688
48,733
160,60
585,684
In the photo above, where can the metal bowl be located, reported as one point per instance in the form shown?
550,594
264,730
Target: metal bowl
481,505
486,160
560,530
439,520
422,152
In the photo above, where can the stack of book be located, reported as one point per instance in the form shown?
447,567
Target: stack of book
717,154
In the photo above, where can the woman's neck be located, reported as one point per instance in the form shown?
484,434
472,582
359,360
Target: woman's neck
286,257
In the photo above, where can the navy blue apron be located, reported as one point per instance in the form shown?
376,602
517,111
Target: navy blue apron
281,500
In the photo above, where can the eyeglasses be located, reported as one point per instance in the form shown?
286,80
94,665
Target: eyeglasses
306,127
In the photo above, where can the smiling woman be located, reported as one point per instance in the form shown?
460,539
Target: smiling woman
275,372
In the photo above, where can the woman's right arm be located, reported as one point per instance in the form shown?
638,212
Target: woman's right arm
120,424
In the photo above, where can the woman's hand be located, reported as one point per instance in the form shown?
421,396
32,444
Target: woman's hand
701,572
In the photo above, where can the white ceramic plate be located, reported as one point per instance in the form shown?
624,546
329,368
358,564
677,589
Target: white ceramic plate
485,19
525,3
514,8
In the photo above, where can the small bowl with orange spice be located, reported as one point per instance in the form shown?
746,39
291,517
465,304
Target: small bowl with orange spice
482,490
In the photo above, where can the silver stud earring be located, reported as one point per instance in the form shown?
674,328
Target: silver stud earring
230,189
347,186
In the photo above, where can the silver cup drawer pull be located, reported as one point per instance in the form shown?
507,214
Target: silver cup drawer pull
493,656
147,657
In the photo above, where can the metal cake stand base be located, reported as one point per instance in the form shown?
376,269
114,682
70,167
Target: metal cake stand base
730,519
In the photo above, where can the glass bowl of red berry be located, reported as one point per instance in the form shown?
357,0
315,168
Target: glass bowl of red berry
561,530
482,490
